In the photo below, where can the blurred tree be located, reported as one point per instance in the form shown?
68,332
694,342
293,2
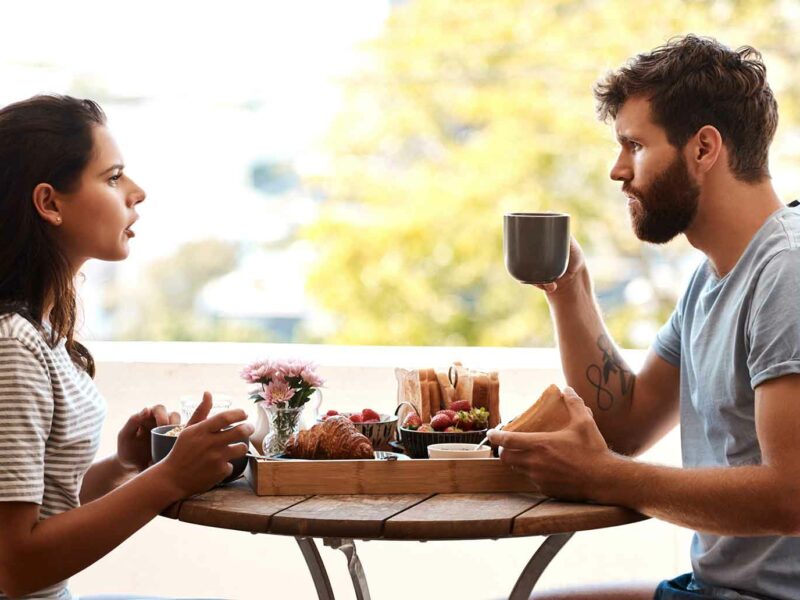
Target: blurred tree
466,110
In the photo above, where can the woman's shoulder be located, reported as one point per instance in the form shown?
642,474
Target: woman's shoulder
14,326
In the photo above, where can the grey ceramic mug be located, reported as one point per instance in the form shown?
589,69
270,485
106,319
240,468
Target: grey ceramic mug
536,246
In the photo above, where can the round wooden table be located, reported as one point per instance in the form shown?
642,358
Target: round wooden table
340,520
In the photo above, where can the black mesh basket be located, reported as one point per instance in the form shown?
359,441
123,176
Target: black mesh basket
415,443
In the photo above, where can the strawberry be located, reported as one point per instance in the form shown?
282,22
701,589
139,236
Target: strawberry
412,421
330,413
450,413
453,430
461,405
356,418
465,421
425,428
441,422
370,415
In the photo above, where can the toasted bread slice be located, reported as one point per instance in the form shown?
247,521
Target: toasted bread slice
548,413
425,402
446,389
494,399
480,391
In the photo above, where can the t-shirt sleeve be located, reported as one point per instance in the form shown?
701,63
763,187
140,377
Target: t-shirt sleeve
26,414
668,340
774,322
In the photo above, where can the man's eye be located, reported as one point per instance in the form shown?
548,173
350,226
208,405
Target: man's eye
115,178
635,146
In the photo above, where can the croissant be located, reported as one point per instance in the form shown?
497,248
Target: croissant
334,438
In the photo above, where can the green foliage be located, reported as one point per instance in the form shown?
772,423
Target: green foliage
466,110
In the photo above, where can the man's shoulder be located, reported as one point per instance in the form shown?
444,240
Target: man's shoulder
780,232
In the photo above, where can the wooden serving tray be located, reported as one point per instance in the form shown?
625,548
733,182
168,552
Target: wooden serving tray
422,476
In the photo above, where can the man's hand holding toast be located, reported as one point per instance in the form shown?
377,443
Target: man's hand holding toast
557,444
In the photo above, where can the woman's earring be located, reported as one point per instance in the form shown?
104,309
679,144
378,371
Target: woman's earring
58,220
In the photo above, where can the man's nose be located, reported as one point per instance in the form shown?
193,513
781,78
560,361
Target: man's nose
621,171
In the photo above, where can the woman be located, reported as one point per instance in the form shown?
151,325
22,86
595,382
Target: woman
65,198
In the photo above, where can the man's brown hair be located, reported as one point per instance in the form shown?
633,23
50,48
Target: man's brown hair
693,81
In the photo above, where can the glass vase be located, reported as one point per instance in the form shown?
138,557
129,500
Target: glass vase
283,423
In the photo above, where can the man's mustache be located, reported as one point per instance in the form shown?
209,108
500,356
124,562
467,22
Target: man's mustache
629,190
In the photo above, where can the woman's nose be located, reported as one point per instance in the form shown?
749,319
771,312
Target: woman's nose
136,195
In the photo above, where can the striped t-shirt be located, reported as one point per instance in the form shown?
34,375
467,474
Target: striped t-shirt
50,419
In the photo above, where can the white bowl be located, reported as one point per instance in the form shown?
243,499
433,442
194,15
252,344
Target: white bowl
459,451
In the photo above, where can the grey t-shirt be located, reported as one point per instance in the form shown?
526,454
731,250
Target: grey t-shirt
728,335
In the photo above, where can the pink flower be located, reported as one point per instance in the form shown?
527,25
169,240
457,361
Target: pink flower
277,391
259,371
304,369
292,368
310,376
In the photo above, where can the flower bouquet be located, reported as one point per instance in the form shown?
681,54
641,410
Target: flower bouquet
284,388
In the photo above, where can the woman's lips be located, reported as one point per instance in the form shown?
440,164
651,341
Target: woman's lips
130,233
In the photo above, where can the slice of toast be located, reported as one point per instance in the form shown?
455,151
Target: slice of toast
548,413
494,399
480,391
447,390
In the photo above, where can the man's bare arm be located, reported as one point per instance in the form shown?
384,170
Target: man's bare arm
632,411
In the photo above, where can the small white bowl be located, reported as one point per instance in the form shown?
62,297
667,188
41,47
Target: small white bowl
459,451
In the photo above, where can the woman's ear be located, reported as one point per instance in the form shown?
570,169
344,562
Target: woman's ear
706,148
46,204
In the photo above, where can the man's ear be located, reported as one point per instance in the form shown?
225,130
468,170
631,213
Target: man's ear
46,203
706,146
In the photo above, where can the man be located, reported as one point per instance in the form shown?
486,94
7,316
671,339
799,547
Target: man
694,121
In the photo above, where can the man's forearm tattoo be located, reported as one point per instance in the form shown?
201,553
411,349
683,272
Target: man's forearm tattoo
599,375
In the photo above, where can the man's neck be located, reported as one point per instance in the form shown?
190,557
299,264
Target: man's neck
727,219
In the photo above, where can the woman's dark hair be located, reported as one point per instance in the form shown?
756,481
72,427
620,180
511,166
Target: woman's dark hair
45,139
692,82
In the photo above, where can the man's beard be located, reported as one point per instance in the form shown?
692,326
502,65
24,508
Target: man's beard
667,206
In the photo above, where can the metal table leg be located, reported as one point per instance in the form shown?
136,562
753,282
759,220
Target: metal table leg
353,565
537,564
316,567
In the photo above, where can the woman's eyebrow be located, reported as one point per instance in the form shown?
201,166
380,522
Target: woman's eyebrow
114,167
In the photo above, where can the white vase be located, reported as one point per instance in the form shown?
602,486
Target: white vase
261,429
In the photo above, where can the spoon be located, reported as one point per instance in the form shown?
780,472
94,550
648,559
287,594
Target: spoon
498,428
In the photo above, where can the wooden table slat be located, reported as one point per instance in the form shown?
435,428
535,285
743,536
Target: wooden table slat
460,516
235,506
555,516
360,517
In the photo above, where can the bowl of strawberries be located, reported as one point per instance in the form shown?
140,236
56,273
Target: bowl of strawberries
380,428
461,423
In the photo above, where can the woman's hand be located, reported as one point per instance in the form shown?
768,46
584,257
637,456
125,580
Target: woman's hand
133,441
200,458
565,464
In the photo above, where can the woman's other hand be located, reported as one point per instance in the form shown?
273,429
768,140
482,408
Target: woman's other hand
133,440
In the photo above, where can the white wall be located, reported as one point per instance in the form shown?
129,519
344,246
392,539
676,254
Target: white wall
178,559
